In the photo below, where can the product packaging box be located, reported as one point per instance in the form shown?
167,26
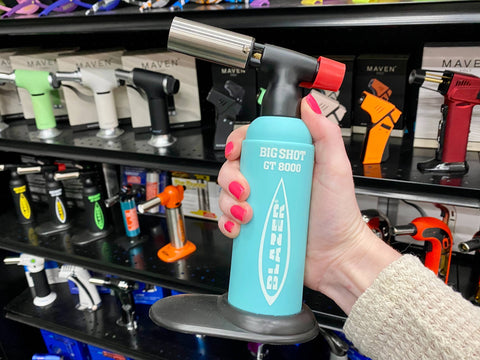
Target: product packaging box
10,105
337,106
184,107
465,59
240,86
68,348
200,197
42,61
391,72
82,111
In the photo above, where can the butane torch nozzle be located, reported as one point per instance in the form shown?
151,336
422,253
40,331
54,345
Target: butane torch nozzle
11,261
417,77
124,75
7,78
60,76
408,229
470,245
210,43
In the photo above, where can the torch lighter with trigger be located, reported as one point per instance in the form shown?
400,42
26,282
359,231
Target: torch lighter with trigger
438,241
36,267
158,87
101,82
383,117
97,224
38,84
461,93
179,247
473,245
268,257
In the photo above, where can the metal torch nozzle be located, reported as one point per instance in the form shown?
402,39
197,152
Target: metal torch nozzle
68,76
417,77
148,205
29,170
470,245
97,281
408,229
210,43
124,75
7,78
66,175
11,261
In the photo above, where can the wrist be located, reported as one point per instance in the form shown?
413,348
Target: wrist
357,268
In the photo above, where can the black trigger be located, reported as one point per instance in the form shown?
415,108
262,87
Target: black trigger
428,246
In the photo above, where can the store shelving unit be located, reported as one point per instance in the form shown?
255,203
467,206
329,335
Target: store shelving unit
336,27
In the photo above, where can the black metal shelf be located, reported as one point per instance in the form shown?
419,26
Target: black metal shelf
398,177
149,342
205,271
192,152
99,328
280,14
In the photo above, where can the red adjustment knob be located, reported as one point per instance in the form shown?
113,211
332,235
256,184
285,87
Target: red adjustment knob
329,75
61,166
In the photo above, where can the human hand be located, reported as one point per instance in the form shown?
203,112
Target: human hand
343,255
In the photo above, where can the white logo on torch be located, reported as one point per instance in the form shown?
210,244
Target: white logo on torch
275,246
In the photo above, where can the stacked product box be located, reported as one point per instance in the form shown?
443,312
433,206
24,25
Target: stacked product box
184,107
201,195
42,61
391,71
79,99
440,57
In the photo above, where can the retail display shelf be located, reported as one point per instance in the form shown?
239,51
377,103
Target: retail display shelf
280,13
205,271
397,177
192,151
149,342
99,328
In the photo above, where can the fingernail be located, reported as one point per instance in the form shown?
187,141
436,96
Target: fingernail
228,148
229,226
236,189
237,212
313,104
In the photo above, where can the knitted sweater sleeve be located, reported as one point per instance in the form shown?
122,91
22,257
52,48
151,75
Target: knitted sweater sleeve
410,314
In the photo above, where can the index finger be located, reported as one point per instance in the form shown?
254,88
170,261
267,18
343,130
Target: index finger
233,146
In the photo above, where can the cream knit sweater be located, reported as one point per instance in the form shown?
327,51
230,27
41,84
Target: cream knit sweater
410,314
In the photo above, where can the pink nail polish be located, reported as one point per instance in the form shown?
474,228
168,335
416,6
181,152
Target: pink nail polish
237,212
313,104
228,148
236,189
229,226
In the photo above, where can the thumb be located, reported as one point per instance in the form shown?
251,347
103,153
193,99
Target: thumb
326,135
